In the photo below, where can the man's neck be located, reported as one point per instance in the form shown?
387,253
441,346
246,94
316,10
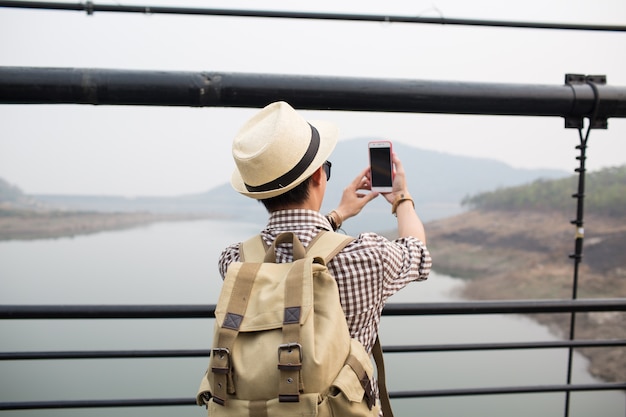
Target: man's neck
308,205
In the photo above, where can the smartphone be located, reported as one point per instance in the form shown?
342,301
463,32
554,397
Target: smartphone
381,166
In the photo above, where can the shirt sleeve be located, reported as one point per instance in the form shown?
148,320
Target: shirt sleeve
228,255
369,271
412,263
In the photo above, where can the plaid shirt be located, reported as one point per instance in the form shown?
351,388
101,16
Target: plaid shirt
368,271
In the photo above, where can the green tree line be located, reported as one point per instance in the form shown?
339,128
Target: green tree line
605,193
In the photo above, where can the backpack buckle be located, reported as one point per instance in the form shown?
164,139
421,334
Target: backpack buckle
220,354
223,378
290,363
290,366
289,348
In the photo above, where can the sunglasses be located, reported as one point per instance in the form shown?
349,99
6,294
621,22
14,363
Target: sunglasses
326,167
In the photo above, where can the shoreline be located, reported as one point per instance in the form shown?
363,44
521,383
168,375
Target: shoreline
517,256
33,225
500,256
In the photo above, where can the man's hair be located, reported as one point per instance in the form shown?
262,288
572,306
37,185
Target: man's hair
296,195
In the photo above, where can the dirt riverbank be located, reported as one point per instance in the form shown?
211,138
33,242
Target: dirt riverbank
508,255
28,225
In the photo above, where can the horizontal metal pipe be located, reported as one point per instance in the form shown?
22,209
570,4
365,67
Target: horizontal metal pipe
148,402
90,8
35,405
557,344
194,353
29,85
105,354
532,389
506,307
45,312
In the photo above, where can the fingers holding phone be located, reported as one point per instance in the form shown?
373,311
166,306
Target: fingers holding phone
381,166
399,180
386,170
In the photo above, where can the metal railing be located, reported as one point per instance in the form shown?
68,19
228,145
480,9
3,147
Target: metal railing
578,98
97,312
90,8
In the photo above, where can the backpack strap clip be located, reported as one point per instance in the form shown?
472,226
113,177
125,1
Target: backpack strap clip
224,358
222,373
288,366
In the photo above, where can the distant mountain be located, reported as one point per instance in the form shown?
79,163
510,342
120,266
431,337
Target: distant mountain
437,181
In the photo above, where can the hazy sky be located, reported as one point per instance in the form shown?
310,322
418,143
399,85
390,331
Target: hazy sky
169,151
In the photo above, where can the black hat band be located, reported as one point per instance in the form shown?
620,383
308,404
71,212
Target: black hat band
296,171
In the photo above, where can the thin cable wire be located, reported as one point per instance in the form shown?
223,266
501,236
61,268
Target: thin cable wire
90,8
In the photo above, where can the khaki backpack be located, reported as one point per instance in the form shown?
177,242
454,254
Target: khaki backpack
281,345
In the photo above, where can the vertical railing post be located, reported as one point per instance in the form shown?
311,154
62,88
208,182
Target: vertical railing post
595,122
577,255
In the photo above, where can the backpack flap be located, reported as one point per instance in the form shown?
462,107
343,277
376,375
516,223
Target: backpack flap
267,322
266,310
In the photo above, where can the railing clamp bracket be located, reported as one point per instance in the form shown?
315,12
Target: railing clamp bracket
89,7
596,120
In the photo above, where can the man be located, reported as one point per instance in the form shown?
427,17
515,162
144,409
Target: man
282,160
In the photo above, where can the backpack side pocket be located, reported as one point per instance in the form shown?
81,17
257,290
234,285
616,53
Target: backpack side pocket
351,393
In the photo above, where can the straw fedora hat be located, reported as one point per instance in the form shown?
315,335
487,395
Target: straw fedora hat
277,149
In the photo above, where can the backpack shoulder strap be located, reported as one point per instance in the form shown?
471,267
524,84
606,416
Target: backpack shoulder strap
377,352
327,244
324,245
253,249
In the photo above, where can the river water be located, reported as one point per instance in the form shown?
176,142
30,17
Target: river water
175,263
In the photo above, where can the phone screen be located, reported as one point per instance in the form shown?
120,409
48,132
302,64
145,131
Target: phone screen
380,165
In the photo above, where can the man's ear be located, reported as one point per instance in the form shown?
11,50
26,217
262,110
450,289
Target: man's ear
317,175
